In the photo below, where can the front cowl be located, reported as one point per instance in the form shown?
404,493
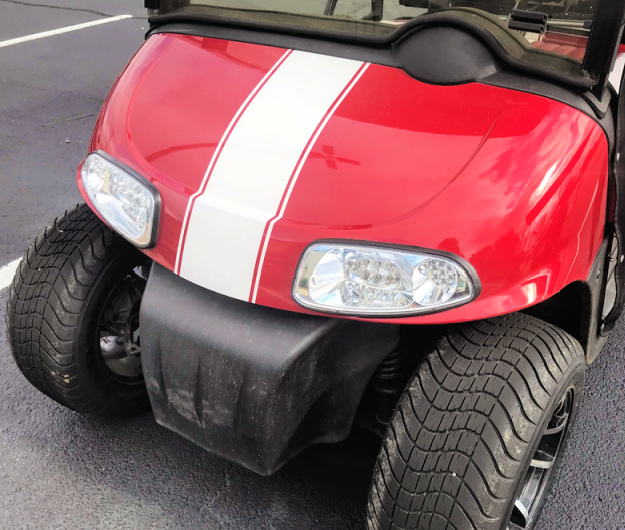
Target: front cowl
258,151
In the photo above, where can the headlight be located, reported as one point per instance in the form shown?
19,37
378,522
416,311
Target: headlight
127,201
368,280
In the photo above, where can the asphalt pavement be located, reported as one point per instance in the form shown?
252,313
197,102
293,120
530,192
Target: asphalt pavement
61,470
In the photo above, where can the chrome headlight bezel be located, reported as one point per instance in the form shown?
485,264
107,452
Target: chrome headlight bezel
316,250
149,237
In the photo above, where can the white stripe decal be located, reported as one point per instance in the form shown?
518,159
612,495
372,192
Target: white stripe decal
298,170
251,175
209,170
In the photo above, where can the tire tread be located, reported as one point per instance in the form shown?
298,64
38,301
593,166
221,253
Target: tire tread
458,436
47,300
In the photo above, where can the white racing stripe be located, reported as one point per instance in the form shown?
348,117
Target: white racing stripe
298,170
209,170
7,273
59,31
253,171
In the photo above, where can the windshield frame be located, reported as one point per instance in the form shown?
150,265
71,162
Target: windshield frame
603,40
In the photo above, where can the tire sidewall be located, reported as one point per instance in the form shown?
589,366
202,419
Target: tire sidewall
573,377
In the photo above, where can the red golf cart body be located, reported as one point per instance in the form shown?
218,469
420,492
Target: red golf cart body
262,141
489,174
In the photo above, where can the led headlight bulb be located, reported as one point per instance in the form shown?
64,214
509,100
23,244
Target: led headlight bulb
127,201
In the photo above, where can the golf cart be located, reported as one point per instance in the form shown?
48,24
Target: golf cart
305,216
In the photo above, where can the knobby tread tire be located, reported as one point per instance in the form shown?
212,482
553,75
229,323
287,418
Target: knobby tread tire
55,296
462,432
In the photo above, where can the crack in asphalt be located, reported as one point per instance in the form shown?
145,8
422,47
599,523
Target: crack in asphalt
83,10
66,120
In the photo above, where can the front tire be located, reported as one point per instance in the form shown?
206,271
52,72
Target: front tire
478,432
55,312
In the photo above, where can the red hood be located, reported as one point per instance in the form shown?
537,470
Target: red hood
401,137
395,160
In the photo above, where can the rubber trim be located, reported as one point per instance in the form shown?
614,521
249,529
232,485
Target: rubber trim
512,52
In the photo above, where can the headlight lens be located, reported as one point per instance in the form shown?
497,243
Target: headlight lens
367,280
126,201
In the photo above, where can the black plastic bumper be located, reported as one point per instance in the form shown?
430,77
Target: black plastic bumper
253,384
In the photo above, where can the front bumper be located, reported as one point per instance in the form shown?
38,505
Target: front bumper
253,384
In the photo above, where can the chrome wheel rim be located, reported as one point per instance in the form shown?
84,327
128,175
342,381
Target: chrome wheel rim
528,503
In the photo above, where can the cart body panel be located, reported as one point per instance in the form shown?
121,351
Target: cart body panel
514,183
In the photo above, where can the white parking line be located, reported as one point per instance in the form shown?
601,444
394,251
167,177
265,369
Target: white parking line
7,272
59,31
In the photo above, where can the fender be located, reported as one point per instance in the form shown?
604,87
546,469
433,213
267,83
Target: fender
514,183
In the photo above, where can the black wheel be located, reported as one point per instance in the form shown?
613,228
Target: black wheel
72,316
479,430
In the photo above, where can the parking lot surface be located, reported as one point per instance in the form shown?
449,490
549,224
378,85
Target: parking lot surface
61,470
